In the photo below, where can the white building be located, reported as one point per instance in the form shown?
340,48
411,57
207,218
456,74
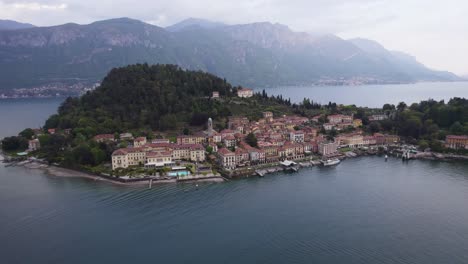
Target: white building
245,92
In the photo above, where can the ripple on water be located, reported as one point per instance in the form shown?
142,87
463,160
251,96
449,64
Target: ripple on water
365,210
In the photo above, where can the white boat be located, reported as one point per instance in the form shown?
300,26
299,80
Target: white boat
330,162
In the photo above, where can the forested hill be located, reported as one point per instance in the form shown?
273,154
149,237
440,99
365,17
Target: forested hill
143,96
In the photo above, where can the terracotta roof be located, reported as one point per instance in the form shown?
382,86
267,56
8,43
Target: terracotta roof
225,151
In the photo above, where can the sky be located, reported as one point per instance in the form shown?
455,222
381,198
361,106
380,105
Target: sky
435,32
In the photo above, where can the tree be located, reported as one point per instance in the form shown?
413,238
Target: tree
28,133
375,127
388,107
251,139
14,144
423,144
209,149
401,107
457,128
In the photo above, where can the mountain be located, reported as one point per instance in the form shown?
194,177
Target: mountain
191,23
13,25
403,61
258,54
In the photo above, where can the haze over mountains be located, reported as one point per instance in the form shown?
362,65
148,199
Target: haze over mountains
258,54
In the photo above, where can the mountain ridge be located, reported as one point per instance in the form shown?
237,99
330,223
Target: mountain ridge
256,54
6,24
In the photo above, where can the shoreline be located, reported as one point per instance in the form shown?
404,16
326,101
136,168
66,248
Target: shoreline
57,171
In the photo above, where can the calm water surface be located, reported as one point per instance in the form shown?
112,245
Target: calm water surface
374,95
18,114
365,210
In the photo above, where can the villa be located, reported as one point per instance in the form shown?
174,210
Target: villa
245,92
456,142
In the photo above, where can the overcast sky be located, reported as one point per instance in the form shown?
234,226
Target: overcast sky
435,32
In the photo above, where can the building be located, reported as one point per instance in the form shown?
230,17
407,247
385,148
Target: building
377,117
328,148
245,92
160,141
191,139
126,136
104,138
391,139
197,153
158,159
139,141
379,139
153,155
192,152
242,157
227,158
34,144
369,140
123,158
357,123
297,136
328,126
351,140
456,142
336,119
316,118
268,116
229,141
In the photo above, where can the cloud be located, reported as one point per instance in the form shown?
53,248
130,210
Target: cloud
38,7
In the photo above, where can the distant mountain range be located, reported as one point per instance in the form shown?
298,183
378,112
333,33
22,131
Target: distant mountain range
257,54
12,25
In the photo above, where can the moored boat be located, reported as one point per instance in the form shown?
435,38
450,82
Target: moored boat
330,162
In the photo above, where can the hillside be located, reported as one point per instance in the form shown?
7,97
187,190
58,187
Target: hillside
141,96
403,61
258,54
13,25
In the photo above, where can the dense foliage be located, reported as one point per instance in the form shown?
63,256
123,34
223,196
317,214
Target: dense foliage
142,96
426,122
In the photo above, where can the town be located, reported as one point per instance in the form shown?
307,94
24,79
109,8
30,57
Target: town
244,147
247,147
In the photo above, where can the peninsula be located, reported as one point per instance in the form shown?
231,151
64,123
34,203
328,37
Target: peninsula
163,123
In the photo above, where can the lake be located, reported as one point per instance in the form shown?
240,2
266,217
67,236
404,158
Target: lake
18,114
365,210
374,95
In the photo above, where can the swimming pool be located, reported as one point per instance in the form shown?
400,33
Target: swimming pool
178,173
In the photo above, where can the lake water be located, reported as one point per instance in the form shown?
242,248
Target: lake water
364,210
18,114
374,95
